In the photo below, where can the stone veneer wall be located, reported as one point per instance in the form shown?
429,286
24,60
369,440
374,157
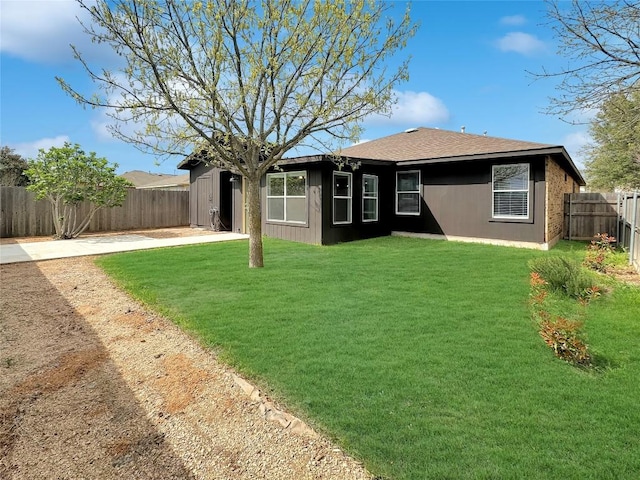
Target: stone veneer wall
558,182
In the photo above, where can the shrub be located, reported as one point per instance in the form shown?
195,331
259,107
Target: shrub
538,290
595,260
563,274
589,294
599,252
602,241
537,295
564,338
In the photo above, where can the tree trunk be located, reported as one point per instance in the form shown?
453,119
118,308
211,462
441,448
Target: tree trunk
256,259
55,209
77,231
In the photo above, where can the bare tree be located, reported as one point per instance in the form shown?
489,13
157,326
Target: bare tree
601,42
245,81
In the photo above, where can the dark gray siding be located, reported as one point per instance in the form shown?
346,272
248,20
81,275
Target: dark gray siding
358,229
210,187
201,194
237,206
312,231
457,202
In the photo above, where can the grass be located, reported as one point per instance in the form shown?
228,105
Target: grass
419,357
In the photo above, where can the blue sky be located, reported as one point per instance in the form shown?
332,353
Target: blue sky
468,68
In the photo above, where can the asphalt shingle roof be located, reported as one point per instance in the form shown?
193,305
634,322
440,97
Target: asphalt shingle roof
142,179
432,143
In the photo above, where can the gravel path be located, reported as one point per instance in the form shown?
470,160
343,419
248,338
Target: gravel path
94,386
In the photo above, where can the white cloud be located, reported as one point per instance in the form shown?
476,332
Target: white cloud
574,143
521,42
413,109
513,20
42,30
100,125
582,115
30,149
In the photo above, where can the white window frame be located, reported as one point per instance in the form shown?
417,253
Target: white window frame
342,197
494,191
370,196
418,192
285,175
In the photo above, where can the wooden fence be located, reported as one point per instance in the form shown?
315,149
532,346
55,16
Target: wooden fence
22,215
618,214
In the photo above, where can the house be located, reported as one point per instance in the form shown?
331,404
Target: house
420,182
159,181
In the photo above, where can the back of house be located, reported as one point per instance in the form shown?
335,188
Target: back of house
423,182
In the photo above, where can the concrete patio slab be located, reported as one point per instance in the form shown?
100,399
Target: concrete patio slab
97,245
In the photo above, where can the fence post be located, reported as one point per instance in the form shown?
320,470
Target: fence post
623,220
570,195
618,208
633,237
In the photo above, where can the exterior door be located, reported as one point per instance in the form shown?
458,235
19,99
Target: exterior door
204,199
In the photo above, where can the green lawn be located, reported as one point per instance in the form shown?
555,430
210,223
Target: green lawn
417,356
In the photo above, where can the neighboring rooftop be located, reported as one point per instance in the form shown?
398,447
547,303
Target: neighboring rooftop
146,180
432,143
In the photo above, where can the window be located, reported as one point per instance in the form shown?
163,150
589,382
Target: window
287,197
408,193
341,197
369,198
510,184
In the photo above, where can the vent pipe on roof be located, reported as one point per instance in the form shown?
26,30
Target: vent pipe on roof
485,133
410,130
462,129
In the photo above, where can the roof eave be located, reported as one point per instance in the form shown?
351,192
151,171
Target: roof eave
188,163
302,160
168,185
484,156
578,176
551,150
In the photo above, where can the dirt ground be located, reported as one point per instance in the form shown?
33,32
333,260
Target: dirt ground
94,386
626,274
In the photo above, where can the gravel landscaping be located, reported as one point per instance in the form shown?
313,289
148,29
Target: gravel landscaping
94,386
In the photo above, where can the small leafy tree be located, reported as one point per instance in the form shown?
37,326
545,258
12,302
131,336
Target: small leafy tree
12,167
67,176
